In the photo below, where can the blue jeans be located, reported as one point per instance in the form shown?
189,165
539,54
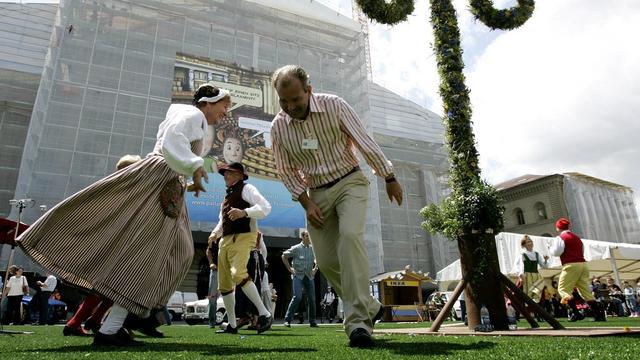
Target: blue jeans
310,289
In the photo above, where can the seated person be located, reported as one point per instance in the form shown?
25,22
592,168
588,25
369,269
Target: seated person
616,296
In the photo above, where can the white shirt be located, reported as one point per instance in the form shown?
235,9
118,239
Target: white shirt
15,285
262,247
531,255
557,246
50,284
329,297
182,125
628,291
259,209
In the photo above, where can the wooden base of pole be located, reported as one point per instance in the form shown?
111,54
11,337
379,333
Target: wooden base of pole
518,299
448,306
532,304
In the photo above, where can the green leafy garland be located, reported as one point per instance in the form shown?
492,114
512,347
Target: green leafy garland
506,19
387,13
473,206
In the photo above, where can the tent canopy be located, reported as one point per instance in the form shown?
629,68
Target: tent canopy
619,260
8,231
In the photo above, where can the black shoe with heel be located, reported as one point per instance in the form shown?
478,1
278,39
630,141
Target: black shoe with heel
360,338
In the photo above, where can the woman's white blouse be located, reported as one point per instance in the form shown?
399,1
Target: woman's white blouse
182,125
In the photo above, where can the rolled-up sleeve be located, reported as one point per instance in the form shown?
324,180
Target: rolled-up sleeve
260,207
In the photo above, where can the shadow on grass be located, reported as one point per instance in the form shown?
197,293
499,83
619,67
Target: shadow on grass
430,348
204,349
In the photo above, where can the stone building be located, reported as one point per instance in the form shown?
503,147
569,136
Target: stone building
597,209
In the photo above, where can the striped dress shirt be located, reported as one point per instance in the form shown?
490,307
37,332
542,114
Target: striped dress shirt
337,130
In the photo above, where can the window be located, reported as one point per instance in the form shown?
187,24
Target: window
541,211
519,216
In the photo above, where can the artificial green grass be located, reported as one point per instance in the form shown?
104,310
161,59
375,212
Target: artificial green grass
326,342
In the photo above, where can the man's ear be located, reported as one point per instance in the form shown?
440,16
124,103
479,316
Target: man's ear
309,88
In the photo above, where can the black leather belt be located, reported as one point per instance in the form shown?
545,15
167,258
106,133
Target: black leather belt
331,183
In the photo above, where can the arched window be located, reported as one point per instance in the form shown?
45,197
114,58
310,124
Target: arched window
541,211
519,216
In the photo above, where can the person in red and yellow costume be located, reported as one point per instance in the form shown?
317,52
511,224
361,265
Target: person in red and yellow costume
575,271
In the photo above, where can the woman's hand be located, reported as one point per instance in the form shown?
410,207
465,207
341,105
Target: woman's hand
197,186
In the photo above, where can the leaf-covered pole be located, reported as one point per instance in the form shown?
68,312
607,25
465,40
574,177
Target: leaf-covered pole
473,210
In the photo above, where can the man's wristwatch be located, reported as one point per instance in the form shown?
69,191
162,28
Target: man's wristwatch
391,178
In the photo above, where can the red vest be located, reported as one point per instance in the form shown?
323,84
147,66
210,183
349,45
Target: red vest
572,248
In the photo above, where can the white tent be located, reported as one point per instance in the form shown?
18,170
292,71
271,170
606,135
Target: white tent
619,260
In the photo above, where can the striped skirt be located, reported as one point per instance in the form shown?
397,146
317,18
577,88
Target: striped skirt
113,238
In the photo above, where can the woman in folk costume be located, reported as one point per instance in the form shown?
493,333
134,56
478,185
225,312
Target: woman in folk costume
527,266
127,236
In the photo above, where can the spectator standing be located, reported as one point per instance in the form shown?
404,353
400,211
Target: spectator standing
46,289
630,299
17,286
303,269
329,301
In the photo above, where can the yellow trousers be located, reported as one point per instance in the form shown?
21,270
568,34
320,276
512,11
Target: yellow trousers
575,275
233,255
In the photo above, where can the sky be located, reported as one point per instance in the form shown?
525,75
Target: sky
559,94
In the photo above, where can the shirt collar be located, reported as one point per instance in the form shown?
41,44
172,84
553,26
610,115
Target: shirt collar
314,107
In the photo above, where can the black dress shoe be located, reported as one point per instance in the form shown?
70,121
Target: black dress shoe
151,332
121,338
92,326
227,330
360,338
74,331
264,323
378,315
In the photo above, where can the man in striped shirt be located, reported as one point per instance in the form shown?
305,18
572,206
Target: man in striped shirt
314,138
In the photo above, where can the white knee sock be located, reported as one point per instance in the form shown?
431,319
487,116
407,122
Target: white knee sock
252,293
114,320
230,305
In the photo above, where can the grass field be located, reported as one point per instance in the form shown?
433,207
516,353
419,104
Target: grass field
326,342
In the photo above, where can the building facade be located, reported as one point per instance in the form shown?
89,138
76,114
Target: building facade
597,209
101,75
413,139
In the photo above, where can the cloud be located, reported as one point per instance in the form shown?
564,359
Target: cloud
560,94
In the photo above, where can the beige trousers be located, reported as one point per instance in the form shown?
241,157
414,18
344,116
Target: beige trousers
233,255
575,275
340,250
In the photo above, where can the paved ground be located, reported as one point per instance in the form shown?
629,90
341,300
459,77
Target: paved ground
457,330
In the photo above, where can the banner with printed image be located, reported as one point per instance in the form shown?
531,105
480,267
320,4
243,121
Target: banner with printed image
243,136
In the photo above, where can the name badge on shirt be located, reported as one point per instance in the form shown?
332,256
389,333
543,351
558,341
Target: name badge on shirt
310,144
